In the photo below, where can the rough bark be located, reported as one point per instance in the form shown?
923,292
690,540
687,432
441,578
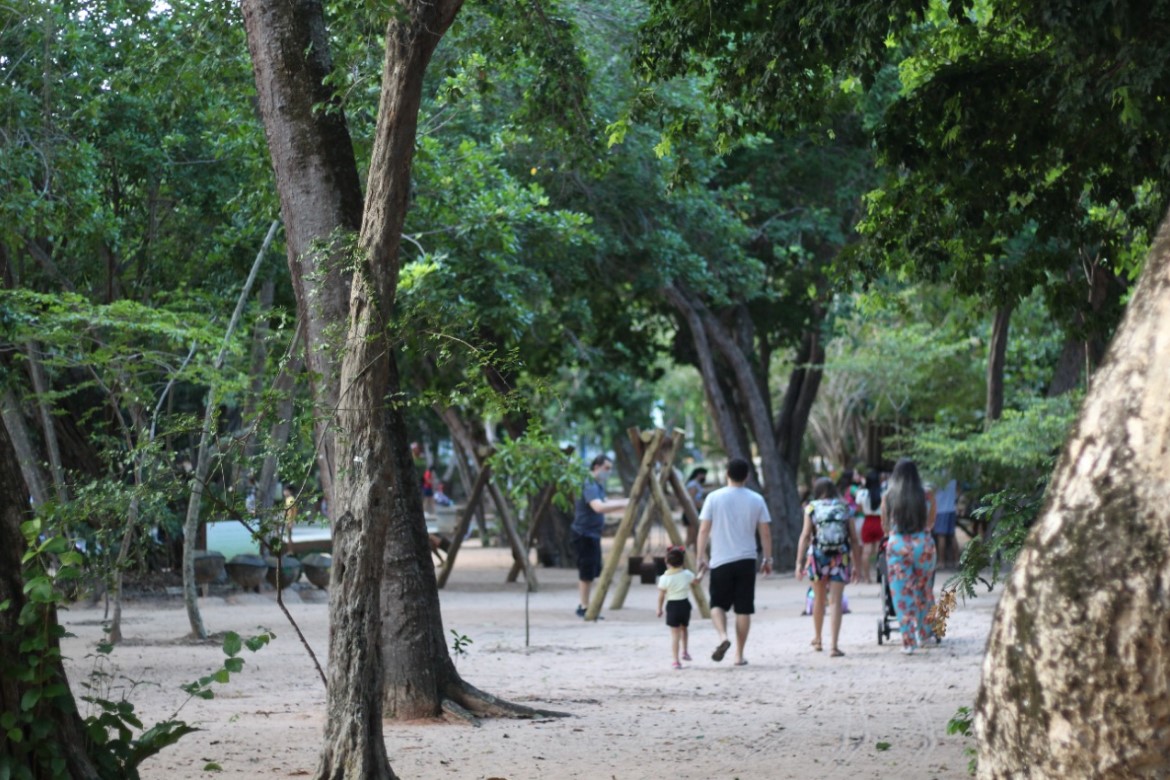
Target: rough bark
316,176
376,507
1075,679
996,363
716,400
66,734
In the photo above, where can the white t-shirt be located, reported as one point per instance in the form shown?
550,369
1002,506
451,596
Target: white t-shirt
676,583
869,505
734,513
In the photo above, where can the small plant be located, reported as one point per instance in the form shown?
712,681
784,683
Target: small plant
962,723
459,643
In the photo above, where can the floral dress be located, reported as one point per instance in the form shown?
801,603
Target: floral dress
836,566
910,562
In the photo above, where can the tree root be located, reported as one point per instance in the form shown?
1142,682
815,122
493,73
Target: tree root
476,704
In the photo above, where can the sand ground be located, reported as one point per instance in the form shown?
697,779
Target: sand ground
790,713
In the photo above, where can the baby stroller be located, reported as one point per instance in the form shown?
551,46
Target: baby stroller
889,619
888,622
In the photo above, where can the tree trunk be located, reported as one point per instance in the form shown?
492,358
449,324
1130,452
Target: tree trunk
1074,680
1070,367
377,507
804,384
996,363
316,176
52,448
779,488
716,400
64,738
26,454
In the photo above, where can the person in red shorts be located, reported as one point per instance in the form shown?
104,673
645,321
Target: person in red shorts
869,501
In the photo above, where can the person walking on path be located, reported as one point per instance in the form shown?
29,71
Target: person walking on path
673,587
588,522
869,500
908,518
730,520
829,538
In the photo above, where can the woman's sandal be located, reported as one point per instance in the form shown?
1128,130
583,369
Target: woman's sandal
816,645
836,653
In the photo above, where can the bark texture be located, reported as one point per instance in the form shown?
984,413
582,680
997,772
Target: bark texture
66,734
1076,681
316,176
724,355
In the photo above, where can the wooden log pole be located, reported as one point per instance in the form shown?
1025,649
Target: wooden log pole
665,455
622,589
645,472
473,502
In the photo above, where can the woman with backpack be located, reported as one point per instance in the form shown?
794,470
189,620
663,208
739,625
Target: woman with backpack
824,553
908,517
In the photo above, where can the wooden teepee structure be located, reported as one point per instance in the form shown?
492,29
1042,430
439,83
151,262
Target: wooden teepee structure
655,474
484,484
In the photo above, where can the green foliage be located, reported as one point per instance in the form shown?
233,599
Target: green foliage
963,723
1016,451
529,464
50,563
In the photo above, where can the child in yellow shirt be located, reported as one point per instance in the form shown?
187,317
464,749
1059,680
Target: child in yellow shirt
672,592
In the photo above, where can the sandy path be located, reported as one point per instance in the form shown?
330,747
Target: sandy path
789,713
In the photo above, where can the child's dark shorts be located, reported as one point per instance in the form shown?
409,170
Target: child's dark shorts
678,613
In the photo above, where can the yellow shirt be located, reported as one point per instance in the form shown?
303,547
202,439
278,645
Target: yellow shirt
676,583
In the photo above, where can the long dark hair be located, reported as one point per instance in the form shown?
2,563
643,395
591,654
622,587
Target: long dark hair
873,487
906,498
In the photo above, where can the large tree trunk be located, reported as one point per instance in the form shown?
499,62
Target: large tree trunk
1074,681
779,482
65,735
320,197
377,507
316,176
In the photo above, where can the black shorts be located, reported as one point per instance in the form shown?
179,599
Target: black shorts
678,613
734,584
588,551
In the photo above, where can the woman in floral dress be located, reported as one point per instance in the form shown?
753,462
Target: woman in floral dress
908,518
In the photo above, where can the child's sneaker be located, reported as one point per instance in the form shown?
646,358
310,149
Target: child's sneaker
580,611
676,665
686,656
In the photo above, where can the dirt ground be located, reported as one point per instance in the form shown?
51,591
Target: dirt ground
790,713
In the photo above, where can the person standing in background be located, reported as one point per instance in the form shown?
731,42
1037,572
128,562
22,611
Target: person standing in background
588,523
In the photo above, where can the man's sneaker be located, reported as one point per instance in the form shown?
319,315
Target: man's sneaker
580,611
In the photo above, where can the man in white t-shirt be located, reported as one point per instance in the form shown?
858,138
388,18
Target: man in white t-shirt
730,520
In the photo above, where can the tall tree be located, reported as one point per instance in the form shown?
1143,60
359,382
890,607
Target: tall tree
387,649
41,691
1073,681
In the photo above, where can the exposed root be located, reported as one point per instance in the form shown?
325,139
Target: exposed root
457,711
484,705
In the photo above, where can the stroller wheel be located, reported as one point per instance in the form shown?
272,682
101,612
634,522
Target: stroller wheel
881,631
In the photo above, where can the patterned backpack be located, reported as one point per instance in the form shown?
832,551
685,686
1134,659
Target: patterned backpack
831,518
